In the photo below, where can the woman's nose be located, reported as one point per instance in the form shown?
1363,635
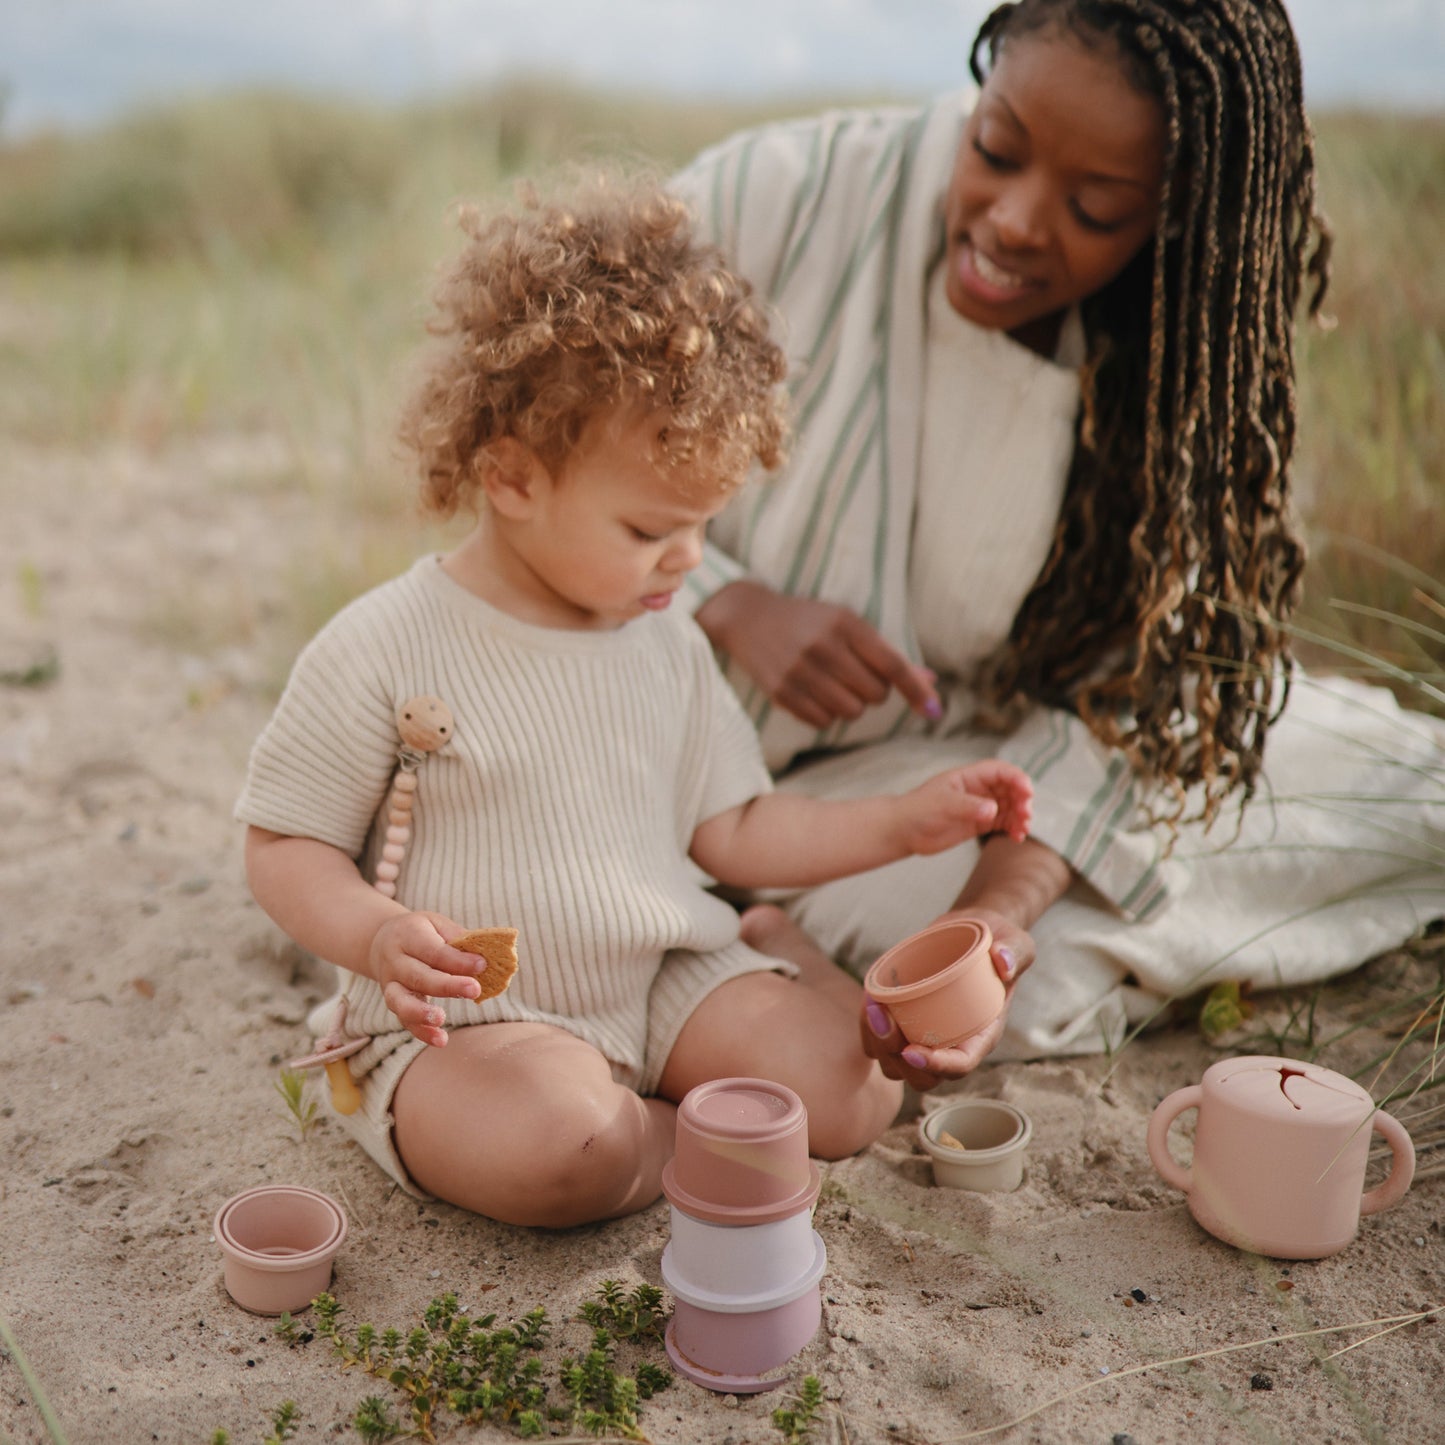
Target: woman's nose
1020,216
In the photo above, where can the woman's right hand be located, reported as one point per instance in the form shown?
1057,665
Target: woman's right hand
818,660
414,965
923,1068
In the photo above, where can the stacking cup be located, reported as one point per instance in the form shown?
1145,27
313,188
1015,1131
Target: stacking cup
742,1154
735,1343
994,1136
939,984
279,1243
740,1259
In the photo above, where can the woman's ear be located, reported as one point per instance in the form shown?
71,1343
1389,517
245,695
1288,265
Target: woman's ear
512,475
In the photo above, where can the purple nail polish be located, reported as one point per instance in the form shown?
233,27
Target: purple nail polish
878,1020
913,1059
1010,963
933,708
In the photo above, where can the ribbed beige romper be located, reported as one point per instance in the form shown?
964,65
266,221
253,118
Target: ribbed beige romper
580,765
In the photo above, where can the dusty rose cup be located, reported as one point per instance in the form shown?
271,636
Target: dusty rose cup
939,984
1279,1155
736,1343
742,1154
279,1243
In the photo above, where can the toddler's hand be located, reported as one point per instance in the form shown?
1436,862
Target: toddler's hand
414,965
986,797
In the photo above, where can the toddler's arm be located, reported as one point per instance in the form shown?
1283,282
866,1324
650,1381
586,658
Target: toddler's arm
784,840
318,896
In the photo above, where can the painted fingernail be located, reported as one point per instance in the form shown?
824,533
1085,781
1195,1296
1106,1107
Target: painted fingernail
933,708
1010,963
878,1020
913,1059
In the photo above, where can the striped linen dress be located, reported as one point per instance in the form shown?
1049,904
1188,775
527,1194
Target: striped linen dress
921,492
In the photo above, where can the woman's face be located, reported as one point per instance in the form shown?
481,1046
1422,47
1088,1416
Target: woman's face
1056,186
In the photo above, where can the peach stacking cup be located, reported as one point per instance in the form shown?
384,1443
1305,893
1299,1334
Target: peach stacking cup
939,984
742,1154
279,1243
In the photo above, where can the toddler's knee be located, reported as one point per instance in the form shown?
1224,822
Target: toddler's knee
589,1168
846,1121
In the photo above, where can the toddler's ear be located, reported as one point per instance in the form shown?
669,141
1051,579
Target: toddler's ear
511,474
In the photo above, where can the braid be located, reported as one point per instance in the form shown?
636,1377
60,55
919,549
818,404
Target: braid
1159,613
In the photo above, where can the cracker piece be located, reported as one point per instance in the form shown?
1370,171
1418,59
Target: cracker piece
949,1142
499,947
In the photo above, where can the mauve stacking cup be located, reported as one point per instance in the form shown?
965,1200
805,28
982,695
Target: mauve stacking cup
744,1263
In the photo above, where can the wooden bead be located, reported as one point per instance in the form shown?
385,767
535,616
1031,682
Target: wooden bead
385,888
387,872
400,821
405,783
402,802
396,834
393,852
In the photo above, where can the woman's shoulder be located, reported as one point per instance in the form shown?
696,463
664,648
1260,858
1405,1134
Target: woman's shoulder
835,130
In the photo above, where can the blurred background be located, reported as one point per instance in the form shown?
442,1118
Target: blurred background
223,221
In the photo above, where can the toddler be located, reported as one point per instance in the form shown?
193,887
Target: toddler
601,386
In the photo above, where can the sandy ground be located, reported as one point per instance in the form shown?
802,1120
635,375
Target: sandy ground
148,1004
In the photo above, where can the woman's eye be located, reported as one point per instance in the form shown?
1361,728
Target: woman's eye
1092,223
990,158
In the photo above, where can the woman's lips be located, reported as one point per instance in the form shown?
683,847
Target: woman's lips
987,279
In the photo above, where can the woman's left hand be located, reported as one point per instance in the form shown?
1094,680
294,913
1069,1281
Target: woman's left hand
922,1068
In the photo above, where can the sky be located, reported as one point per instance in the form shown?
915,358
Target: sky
75,63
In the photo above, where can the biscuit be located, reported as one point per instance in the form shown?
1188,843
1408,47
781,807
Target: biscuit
499,947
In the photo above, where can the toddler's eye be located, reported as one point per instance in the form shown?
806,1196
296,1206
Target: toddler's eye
644,536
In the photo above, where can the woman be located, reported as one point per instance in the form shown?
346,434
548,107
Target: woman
1044,392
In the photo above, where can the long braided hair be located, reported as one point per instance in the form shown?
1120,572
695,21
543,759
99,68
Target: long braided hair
1158,615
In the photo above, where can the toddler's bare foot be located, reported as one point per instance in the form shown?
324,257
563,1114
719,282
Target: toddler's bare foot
767,928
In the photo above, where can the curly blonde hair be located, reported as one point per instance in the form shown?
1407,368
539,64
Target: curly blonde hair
558,311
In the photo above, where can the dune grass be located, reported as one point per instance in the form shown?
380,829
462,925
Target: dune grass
260,263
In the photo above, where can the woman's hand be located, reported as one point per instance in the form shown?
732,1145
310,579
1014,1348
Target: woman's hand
1012,953
820,661
412,962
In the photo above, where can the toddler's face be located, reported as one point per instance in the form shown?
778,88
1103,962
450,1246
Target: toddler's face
1056,186
613,533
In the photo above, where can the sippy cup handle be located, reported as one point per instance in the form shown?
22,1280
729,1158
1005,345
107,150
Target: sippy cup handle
1163,1116
1402,1167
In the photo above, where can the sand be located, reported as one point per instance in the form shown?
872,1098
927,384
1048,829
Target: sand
148,1005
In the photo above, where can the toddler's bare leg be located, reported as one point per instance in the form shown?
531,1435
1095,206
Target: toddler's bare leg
768,929
524,1123
765,1026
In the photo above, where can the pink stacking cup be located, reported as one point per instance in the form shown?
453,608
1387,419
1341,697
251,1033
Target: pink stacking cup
742,1154
279,1243
735,1344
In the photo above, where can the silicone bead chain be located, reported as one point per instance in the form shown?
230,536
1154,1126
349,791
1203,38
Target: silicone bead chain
425,724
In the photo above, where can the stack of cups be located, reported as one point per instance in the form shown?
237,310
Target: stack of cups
744,1261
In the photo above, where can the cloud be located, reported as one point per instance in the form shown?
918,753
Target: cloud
76,61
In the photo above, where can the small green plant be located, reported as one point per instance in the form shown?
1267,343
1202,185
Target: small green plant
284,1425
1226,1006
798,1417
638,1315
291,1084
482,1373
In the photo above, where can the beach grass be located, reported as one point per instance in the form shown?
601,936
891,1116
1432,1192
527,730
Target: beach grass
261,263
